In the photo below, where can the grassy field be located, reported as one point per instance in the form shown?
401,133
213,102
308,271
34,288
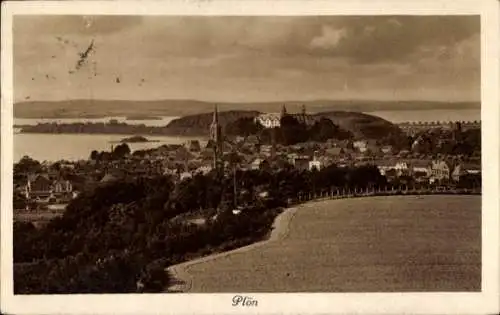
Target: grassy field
377,244
38,218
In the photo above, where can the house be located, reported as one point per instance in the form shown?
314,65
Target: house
301,163
207,154
41,188
458,172
439,170
385,165
205,169
291,157
420,170
62,186
185,175
391,173
38,187
326,160
193,146
372,147
266,149
335,143
67,165
255,165
194,164
335,152
360,145
473,168
279,163
402,168
252,139
315,164
387,149
403,153
170,171
269,120
465,169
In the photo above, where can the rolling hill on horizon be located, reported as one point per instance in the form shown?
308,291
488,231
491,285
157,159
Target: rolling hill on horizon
103,108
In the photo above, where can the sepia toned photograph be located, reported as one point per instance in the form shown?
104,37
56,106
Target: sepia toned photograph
246,154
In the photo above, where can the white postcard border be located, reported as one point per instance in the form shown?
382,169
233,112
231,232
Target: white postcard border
307,303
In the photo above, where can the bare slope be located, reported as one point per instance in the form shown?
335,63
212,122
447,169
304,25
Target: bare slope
374,244
362,125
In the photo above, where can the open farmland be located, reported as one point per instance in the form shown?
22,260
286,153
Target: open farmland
376,244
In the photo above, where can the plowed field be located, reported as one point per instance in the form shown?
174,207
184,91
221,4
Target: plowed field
375,244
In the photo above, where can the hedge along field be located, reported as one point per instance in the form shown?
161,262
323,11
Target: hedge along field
375,244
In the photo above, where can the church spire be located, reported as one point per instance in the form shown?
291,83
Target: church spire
215,128
283,111
215,136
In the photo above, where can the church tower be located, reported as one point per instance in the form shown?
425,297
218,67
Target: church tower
283,111
216,137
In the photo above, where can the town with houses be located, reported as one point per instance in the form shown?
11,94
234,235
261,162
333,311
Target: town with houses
52,184
286,154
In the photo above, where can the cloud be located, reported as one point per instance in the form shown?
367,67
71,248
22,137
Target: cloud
73,24
247,57
329,38
380,39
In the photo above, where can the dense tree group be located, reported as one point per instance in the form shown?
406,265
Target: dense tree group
447,142
118,152
291,131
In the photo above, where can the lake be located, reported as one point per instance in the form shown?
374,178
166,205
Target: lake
52,147
72,147
399,116
163,121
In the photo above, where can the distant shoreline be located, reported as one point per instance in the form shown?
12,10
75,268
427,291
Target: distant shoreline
114,134
173,115
88,109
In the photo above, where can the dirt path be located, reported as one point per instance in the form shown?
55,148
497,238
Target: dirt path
183,280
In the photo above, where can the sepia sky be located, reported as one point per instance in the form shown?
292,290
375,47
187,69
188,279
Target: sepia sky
248,58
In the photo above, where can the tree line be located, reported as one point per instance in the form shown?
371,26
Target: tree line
291,131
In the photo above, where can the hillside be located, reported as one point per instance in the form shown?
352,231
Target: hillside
362,125
103,108
199,125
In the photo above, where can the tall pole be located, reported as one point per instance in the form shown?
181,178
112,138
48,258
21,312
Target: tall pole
273,143
234,186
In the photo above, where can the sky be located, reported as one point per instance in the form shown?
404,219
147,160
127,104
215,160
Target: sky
247,59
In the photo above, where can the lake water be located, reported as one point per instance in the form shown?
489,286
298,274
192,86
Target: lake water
399,116
52,147
72,147
148,122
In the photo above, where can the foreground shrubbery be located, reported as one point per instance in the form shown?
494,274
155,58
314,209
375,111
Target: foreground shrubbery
120,237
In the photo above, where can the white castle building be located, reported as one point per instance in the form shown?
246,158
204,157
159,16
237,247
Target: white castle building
269,120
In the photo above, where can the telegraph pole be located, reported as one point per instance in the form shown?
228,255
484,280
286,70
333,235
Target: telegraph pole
234,187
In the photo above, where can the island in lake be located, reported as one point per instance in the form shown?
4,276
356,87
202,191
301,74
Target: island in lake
135,139
143,117
358,124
